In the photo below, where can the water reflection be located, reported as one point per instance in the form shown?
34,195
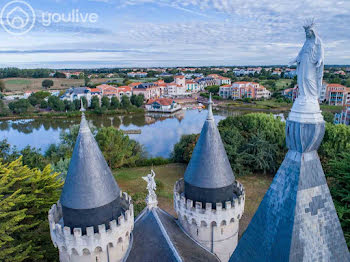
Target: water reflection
159,132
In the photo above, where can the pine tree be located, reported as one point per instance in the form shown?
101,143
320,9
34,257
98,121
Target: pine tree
30,194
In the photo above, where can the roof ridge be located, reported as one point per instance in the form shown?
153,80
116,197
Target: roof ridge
165,234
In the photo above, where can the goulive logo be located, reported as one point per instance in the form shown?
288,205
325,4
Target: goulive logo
17,17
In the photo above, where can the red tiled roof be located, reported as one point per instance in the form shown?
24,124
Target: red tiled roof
95,90
124,89
104,86
226,86
135,84
336,85
162,101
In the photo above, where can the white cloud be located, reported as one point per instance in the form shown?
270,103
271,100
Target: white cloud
225,32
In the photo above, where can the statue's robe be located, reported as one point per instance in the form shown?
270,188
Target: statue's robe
310,76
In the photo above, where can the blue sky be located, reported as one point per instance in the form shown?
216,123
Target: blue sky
144,33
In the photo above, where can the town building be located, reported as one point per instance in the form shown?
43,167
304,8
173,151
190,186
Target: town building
112,91
148,90
162,105
175,90
290,73
336,94
291,93
239,90
225,91
137,74
124,91
220,80
205,82
108,90
192,86
75,93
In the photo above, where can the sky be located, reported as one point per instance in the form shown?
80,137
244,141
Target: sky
152,33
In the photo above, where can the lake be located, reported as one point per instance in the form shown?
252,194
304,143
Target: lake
159,132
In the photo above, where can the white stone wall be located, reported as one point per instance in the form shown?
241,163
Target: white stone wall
91,247
215,229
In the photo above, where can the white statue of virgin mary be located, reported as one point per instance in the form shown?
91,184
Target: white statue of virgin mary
310,65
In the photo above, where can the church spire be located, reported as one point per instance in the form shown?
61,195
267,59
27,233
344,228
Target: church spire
210,108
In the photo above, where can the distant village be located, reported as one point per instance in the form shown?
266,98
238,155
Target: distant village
177,83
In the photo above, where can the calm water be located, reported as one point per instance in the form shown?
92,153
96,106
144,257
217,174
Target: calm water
159,133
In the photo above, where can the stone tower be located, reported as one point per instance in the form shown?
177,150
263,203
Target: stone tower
209,201
93,219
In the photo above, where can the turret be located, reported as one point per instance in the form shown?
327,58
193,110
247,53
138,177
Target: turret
209,201
93,219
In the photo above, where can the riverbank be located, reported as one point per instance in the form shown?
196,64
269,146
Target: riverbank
67,115
130,180
272,106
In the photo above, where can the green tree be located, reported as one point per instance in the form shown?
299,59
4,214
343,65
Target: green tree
328,116
259,154
56,104
59,75
213,89
61,167
33,158
182,152
2,86
68,105
137,100
335,141
36,98
117,148
44,104
27,195
115,104
127,81
125,103
47,83
95,102
20,106
105,102
339,174
87,80
4,110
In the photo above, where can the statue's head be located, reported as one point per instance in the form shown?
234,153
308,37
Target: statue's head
309,28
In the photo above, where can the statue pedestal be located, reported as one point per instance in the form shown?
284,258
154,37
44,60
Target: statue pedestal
151,201
306,110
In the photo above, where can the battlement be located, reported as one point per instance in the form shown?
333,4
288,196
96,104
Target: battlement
77,243
203,215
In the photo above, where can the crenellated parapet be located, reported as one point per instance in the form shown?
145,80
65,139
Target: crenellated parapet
204,215
74,242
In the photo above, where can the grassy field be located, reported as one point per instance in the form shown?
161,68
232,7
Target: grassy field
130,180
281,84
269,105
29,84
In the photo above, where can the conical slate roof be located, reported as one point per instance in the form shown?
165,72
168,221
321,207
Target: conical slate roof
89,183
209,166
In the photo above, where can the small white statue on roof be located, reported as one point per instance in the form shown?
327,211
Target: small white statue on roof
151,198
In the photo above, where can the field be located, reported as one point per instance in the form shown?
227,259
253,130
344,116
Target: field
130,180
30,84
